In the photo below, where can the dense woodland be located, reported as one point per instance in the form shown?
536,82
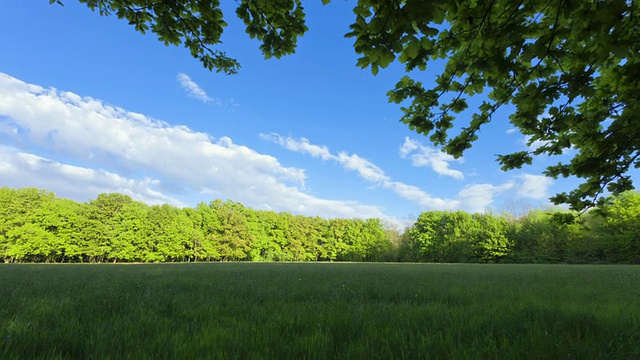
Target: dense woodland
37,226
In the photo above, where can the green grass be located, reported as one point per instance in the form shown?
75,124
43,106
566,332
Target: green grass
319,311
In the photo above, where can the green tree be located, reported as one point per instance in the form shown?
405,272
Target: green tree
129,240
276,247
23,236
198,25
190,225
443,236
295,234
67,228
490,240
378,245
229,231
258,223
166,237
541,237
333,242
617,228
30,242
569,68
60,221
311,229
354,247
210,227
99,225
37,226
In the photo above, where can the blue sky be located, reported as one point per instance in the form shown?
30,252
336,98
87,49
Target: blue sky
88,105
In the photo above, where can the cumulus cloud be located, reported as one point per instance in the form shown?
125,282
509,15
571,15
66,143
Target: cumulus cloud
80,147
422,198
20,169
194,90
425,156
124,145
534,186
478,197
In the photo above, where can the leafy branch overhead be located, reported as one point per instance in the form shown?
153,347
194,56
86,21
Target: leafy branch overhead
198,25
570,68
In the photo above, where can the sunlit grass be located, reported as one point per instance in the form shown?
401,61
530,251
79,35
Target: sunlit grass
318,311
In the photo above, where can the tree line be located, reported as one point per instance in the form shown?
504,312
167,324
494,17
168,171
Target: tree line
37,226
607,234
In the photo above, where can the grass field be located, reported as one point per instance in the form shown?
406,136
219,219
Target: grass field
319,311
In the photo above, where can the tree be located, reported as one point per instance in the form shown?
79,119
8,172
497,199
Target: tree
99,221
198,25
295,237
617,228
542,236
167,234
379,246
130,243
209,227
569,68
443,236
490,241
312,229
25,214
333,242
190,225
230,236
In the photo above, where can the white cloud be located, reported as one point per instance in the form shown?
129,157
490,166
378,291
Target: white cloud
478,197
194,90
429,157
534,186
79,147
92,134
473,198
300,146
511,131
420,197
365,169
19,169
408,146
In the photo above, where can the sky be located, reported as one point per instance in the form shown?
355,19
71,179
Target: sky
89,106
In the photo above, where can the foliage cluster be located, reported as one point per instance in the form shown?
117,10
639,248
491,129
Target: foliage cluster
318,311
37,226
608,234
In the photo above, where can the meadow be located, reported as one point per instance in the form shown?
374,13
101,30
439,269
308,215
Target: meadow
319,311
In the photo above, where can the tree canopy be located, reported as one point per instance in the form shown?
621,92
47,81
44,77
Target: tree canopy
37,226
570,68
